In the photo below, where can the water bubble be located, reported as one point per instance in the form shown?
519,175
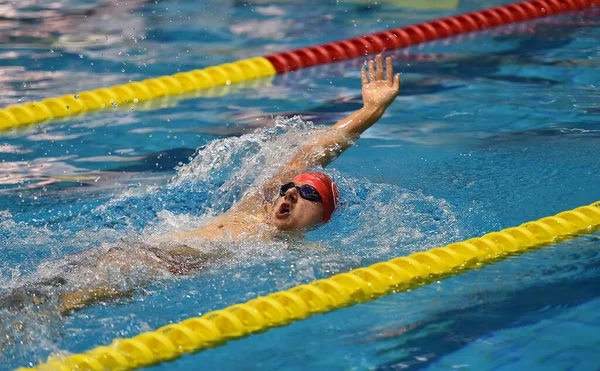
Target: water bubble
24,85
76,96
81,56
68,107
114,104
51,50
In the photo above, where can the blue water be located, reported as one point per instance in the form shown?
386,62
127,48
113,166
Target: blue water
490,131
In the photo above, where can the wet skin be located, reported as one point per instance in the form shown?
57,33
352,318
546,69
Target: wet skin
291,212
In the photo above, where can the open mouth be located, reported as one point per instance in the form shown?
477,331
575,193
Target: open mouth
283,211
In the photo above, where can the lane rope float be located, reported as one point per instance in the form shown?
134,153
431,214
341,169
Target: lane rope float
359,285
135,92
228,73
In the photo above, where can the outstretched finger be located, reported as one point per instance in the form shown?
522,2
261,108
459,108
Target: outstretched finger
363,76
397,82
379,61
371,70
389,70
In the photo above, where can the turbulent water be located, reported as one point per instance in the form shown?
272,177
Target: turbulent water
374,221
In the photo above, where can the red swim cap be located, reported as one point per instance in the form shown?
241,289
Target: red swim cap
327,189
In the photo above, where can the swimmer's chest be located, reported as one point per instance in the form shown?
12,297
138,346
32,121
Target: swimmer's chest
235,226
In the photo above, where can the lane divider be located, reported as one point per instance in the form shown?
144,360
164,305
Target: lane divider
359,285
228,73
134,92
427,31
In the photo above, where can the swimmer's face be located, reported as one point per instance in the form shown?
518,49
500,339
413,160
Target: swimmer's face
291,211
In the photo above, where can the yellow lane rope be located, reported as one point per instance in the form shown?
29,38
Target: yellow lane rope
325,295
134,92
174,100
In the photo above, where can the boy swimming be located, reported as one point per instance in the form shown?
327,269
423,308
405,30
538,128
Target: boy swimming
291,201
306,199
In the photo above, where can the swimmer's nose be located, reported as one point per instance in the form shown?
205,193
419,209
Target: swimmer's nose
292,195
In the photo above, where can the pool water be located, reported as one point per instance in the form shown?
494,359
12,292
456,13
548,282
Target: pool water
490,130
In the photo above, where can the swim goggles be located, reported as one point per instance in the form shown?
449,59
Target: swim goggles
306,191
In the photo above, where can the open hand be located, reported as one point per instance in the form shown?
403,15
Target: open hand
380,91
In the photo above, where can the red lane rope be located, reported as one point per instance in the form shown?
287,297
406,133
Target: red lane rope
422,32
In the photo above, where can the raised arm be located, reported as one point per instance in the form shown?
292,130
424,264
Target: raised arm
379,89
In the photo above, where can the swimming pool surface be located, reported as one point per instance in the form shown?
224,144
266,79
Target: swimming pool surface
490,130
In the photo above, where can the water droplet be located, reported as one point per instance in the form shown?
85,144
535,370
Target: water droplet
135,100
76,96
115,105
51,50
122,70
68,107
80,55
24,85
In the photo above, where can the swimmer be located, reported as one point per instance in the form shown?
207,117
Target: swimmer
303,199
293,201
